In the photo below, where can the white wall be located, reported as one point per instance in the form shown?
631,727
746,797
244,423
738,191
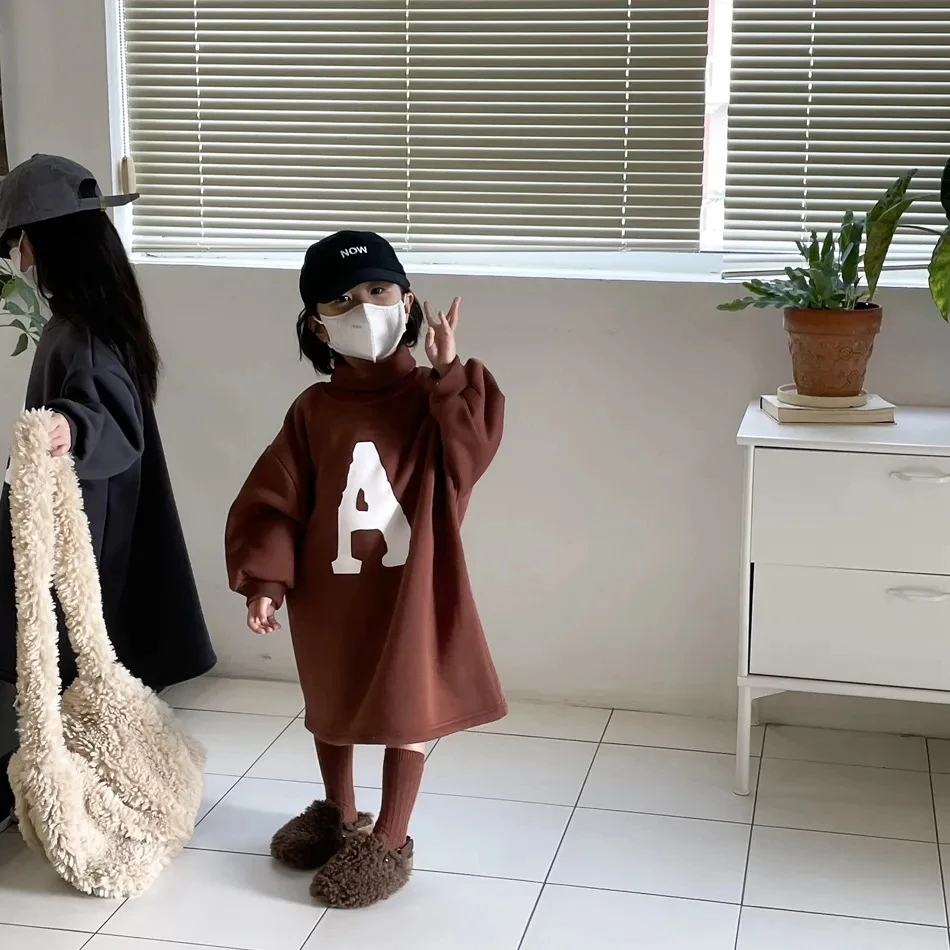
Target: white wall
55,88
603,544
601,541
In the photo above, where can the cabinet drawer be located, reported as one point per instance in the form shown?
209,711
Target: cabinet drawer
851,626
851,510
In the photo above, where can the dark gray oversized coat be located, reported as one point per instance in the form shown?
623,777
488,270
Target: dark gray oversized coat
149,594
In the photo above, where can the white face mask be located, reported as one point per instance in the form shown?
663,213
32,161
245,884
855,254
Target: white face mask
368,331
16,259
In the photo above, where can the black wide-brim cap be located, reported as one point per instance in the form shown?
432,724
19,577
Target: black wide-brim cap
345,259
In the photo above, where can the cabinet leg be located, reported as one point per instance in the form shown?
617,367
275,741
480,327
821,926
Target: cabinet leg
743,740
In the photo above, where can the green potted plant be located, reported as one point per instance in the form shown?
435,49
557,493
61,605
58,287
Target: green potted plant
831,318
939,267
21,304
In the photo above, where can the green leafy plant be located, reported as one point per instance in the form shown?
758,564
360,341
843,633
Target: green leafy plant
21,303
830,278
939,268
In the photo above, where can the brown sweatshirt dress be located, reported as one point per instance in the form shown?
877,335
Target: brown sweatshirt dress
354,512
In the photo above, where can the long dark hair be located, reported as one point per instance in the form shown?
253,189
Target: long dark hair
323,356
83,268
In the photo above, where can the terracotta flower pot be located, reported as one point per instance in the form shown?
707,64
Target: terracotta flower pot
831,348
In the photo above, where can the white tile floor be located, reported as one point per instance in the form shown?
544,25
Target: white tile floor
558,828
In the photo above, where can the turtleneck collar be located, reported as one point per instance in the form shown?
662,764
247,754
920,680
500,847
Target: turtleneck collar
372,377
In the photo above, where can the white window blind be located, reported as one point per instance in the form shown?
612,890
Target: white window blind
443,124
830,101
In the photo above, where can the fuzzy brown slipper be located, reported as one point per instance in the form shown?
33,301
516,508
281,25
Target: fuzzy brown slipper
308,841
362,873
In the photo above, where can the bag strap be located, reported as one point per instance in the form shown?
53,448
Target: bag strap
76,575
51,543
31,521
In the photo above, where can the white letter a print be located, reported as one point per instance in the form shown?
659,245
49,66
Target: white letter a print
383,512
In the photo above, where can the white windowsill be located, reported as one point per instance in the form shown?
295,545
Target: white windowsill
651,266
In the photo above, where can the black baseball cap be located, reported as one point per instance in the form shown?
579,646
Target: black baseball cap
341,261
50,186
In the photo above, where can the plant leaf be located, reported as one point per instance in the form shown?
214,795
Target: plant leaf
939,273
894,195
16,324
735,305
849,256
21,345
821,287
828,247
882,222
799,284
30,296
945,189
880,235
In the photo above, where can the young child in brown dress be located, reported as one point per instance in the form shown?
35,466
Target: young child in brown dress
354,514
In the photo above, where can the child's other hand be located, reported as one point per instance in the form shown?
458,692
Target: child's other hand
60,436
260,616
440,336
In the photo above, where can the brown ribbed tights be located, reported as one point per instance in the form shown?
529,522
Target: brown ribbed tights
402,776
336,766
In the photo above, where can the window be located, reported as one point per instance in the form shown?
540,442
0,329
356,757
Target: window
830,101
446,124
473,126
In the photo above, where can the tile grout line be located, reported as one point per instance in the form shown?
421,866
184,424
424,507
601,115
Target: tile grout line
933,802
211,809
326,910
748,854
489,731
44,928
599,744
244,774
105,923
633,811
145,941
567,828
608,811
236,712
821,913
313,930
57,930
577,807
623,745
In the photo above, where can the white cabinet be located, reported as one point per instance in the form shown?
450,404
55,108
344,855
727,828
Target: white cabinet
845,561
816,623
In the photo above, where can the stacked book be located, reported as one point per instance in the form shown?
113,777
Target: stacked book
788,406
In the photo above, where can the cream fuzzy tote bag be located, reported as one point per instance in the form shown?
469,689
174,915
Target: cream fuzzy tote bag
107,784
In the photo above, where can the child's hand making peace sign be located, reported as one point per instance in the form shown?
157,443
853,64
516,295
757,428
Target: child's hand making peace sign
440,336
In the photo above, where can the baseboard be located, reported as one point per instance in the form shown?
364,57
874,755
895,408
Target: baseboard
857,714
798,709
793,709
